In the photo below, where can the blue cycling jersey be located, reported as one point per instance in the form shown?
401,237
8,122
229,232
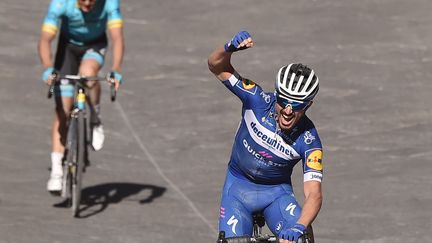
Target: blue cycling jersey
78,27
261,152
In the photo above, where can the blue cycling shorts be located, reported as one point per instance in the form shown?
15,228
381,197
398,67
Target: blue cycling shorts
64,90
241,198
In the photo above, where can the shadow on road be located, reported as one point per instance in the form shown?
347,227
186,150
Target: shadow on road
95,199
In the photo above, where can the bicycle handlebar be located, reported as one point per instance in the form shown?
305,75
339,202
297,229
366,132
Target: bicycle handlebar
77,78
113,90
239,240
261,239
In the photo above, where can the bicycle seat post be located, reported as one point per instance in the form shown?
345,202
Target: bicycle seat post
221,237
258,223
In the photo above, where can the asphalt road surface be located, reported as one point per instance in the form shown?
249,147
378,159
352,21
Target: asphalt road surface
169,136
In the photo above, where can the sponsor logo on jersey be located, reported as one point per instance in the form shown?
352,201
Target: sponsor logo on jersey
265,154
233,221
265,96
267,138
222,212
266,121
262,156
313,176
279,226
314,160
291,207
308,137
248,84
273,142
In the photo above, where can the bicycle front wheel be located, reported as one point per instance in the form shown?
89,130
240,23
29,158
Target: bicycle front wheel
69,162
81,156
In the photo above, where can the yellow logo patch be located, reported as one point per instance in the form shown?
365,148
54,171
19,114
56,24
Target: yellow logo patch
314,160
248,84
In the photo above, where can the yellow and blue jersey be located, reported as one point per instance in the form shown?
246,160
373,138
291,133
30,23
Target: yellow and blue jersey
80,28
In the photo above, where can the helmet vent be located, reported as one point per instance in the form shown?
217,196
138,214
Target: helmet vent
297,82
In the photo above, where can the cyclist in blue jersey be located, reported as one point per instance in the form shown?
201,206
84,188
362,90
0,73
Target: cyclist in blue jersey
82,44
274,134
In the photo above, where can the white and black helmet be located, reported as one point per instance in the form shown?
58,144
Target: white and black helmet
297,82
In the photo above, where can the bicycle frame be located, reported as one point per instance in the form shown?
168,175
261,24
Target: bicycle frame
76,146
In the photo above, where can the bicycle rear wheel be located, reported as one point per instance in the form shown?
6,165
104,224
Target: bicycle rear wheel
79,166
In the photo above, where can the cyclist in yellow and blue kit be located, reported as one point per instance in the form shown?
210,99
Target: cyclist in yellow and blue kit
273,136
81,49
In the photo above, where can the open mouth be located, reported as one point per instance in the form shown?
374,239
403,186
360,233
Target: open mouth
85,9
286,120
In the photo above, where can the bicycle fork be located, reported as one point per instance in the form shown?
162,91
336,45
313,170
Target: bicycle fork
70,159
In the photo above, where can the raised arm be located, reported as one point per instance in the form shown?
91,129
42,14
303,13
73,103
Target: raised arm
219,61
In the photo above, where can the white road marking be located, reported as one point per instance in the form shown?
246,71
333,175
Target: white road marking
160,171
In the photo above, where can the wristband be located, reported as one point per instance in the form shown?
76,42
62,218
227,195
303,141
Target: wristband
46,74
118,76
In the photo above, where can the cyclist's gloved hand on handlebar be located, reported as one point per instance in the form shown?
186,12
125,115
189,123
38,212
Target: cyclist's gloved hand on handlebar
293,233
116,78
240,41
47,75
